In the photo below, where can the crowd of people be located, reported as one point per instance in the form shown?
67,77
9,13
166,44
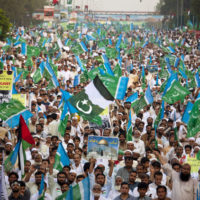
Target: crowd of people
153,164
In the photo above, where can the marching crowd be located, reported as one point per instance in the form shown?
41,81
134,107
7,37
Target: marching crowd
152,164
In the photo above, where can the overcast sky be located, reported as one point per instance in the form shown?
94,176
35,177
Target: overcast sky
119,5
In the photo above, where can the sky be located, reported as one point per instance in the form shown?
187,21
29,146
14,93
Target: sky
119,5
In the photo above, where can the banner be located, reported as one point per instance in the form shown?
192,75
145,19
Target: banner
48,13
20,97
6,80
103,147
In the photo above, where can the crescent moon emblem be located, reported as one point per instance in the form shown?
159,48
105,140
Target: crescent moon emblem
87,111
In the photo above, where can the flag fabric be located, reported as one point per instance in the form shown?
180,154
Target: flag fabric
33,51
121,88
197,79
143,101
76,80
12,158
175,93
194,120
186,114
117,71
119,41
143,78
61,158
80,191
23,49
42,189
3,190
26,142
132,99
170,81
62,126
82,67
38,73
92,100
108,69
129,128
176,63
160,115
10,112
171,50
83,46
52,74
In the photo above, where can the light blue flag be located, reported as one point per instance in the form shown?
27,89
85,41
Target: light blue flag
132,98
65,97
157,80
102,72
109,41
105,58
131,27
18,77
119,42
145,44
80,63
90,37
12,158
197,79
64,111
13,121
24,49
176,63
53,76
14,91
64,159
186,114
182,57
148,96
162,110
183,73
41,190
171,79
108,69
66,41
81,190
183,42
121,88
171,49
83,46
76,80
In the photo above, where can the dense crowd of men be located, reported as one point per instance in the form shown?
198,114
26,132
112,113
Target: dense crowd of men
152,165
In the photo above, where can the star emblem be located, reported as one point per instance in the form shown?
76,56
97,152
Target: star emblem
84,102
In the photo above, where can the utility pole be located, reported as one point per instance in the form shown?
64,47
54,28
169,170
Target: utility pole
181,13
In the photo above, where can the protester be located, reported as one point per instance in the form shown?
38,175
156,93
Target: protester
71,77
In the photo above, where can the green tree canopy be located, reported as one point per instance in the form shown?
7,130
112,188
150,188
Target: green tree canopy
20,11
4,25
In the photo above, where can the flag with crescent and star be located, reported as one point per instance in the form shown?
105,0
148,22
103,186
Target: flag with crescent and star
92,100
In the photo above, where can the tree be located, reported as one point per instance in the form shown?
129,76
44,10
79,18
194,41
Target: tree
4,25
20,11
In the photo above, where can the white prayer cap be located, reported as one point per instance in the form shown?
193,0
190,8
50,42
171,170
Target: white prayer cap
74,118
34,149
191,139
130,142
128,151
136,151
73,171
10,143
160,145
36,136
196,147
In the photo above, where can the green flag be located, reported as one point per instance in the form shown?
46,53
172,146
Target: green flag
194,121
111,53
92,100
62,126
175,93
117,71
37,76
139,105
33,51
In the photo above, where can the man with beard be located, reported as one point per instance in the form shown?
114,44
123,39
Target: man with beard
8,148
55,187
184,186
15,195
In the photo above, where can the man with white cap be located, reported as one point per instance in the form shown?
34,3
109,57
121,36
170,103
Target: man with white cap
138,143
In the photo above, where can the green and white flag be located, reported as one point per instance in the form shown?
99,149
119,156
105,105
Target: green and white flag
92,100
175,93
194,121
37,76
